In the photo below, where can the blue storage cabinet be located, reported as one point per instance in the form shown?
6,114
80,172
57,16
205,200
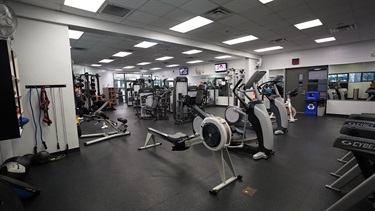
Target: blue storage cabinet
311,103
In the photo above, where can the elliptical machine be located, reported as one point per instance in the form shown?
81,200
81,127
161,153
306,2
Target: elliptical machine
277,106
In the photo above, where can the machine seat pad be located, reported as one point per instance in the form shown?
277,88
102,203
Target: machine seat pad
356,145
174,138
122,120
363,116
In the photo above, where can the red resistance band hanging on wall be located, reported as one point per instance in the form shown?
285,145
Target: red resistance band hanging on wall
44,103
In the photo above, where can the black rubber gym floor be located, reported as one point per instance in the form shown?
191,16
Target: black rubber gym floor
114,175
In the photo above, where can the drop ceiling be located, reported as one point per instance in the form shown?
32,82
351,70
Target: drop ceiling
272,23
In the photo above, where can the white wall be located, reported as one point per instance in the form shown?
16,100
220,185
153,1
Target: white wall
44,58
343,54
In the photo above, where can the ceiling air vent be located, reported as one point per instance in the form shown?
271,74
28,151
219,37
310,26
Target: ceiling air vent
110,9
280,40
343,28
217,14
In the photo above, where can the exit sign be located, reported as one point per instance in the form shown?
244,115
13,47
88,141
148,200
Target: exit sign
295,61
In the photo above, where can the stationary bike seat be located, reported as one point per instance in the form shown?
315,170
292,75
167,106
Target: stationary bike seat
122,120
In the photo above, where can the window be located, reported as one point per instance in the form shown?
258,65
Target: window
332,78
342,77
355,77
368,76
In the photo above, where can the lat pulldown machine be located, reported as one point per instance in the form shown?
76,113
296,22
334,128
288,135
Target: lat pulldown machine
214,133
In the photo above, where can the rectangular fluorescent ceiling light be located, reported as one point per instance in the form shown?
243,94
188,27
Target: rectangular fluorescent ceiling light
265,1
192,52
145,44
144,63
122,54
96,65
173,65
269,49
89,5
191,24
106,60
308,24
73,34
128,67
328,39
118,69
240,40
195,61
164,58
223,57
155,68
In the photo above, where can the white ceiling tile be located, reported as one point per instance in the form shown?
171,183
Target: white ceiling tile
279,5
198,7
295,11
179,15
109,18
240,6
163,23
362,4
219,2
156,8
175,3
141,17
277,25
233,20
134,4
256,12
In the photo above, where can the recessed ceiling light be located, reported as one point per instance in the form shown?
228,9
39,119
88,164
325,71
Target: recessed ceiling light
164,58
73,34
144,63
328,39
265,1
269,49
96,65
308,24
128,67
192,51
106,60
241,40
173,65
145,44
122,54
155,68
191,24
195,61
143,71
223,57
118,69
89,5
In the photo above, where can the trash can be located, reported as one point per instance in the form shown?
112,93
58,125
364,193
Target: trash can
321,107
355,94
311,103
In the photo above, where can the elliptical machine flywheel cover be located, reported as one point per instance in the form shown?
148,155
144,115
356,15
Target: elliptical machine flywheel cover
216,133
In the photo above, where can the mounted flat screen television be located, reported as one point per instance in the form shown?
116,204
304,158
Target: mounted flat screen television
184,71
221,67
